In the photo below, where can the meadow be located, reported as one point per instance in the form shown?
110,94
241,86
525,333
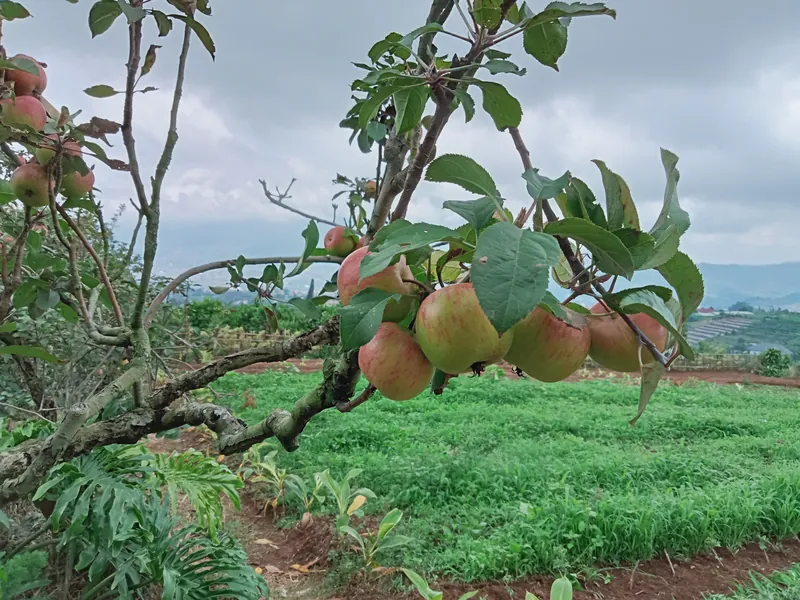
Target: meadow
501,478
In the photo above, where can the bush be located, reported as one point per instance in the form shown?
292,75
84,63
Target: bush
774,363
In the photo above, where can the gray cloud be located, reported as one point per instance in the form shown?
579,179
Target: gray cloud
717,81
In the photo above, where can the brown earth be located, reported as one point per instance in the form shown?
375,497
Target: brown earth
294,561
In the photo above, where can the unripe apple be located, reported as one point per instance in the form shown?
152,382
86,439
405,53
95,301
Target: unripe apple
30,184
362,241
75,185
455,334
47,150
388,280
339,242
24,110
25,83
615,346
547,348
393,362
370,188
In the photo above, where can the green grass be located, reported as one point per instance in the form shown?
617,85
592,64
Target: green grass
779,586
705,466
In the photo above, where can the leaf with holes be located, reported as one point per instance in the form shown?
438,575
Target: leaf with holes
619,204
463,171
511,271
505,110
607,249
683,275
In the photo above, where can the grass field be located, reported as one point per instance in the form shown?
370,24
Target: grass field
706,466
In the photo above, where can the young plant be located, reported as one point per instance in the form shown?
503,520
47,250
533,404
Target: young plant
425,590
560,590
257,468
371,544
297,486
348,501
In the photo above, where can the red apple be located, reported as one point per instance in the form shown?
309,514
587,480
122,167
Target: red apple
370,189
25,83
547,348
339,242
24,110
455,334
75,185
615,346
388,280
47,149
30,184
393,362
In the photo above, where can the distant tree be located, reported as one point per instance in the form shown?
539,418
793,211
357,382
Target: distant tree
741,307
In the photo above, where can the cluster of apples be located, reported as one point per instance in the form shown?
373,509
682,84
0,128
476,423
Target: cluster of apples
30,182
452,334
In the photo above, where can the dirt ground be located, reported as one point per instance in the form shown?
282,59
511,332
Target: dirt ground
295,561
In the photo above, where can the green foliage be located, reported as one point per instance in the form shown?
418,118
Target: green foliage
22,574
376,543
22,431
702,470
774,363
781,585
209,314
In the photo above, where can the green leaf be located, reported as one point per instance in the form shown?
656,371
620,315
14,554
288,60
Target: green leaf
476,212
671,212
4,522
640,244
579,201
546,42
619,204
376,131
169,583
84,203
495,66
394,541
468,595
26,293
47,299
505,110
13,10
463,171
409,38
401,240
410,106
608,250
149,60
561,588
67,312
202,33
389,522
6,195
362,318
544,188
559,10
311,236
101,91
511,271
20,63
665,248
369,108
493,54
133,13
164,23
30,352
307,307
422,586
551,304
8,327
645,301
467,102
102,15
683,275
562,272
659,290
487,12
651,375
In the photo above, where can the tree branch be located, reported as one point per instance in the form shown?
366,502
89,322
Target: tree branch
224,264
278,200
134,58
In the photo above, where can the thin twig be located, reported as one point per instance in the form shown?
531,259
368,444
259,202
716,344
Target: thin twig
278,200
368,392
25,410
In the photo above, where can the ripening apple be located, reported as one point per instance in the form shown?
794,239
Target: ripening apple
393,362
547,348
455,334
24,110
29,183
47,149
75,185
362,241
339,242
371,188
25,83
388,280
615,346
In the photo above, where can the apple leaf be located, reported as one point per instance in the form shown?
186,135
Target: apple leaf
463,171
401,240
659,290
671,212
409,38
20,64
544,188
683,275
646,301
562,272
202,33
218,289
410,104
546,42
369,108
149,60
29,351
608,250
102,15
476,212
464,99
619,204
311,236
559,10
164,23
510,272
47,299
6,195
505,110
13,10
651,375
665,248
133,13
496,66
551,304
578,200
362,318
307,307
101,91
641,245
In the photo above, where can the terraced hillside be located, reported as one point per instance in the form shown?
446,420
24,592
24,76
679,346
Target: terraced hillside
712,328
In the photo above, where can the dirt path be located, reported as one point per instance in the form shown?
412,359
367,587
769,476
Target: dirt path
294,561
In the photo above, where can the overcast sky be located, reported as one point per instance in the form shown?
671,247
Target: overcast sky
717,82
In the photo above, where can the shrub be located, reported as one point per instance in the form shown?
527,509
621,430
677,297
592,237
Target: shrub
774,363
